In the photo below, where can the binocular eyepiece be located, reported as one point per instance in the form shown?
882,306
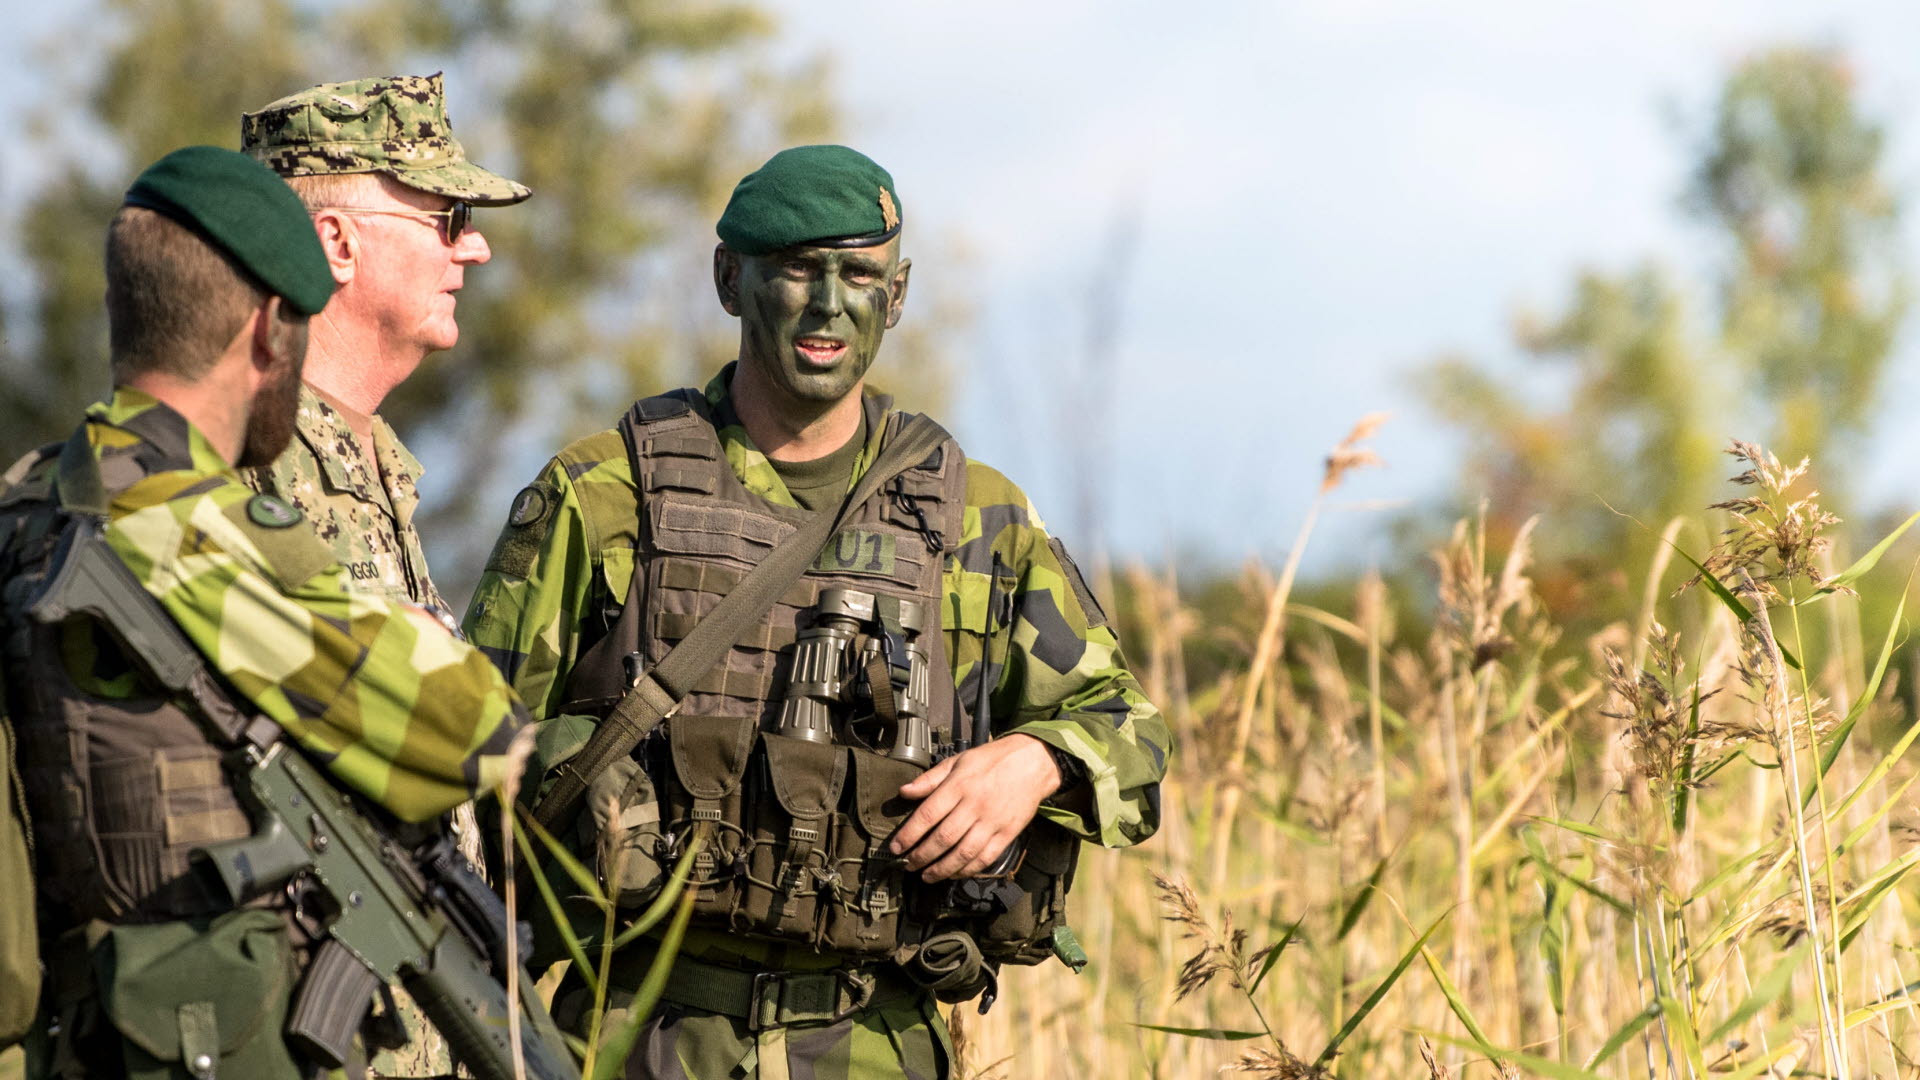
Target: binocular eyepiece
861,656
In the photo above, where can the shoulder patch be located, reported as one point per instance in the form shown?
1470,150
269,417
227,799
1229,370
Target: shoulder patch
531,506
270,512
527,525
294,555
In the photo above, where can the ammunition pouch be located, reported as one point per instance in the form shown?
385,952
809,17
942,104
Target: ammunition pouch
873,891
795,830
1015,918
708,757
796,850
624,807
787,875
225,1020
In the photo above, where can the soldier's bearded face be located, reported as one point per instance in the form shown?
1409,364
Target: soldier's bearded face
812,317
270,422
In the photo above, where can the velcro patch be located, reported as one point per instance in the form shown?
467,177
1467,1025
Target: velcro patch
527,525
294,555
857,551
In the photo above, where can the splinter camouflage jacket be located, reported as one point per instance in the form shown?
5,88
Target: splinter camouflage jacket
555,572
362,510
376,690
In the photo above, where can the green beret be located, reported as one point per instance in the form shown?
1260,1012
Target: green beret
822,196
246,210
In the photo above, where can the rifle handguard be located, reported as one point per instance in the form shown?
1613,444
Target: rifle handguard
475,1025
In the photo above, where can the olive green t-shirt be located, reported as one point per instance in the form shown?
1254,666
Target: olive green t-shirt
822,484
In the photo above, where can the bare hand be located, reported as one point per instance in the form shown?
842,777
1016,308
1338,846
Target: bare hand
974,805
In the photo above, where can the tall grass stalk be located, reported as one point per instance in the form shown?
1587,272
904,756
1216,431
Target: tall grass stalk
1686,861
1790,760
1347,455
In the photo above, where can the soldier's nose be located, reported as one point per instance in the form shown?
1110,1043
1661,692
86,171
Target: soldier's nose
827,299
472,247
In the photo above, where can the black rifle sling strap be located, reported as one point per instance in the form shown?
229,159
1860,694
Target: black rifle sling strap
659,692
77,479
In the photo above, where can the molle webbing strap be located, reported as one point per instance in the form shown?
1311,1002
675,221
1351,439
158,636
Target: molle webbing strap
659,691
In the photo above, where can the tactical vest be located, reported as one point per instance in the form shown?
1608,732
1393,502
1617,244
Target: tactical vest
121,788
797,827
122,783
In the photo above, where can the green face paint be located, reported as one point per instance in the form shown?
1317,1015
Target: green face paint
812,317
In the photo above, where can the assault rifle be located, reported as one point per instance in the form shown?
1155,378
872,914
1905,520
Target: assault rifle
421,918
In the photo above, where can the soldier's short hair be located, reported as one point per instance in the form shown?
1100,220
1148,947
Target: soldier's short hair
174,300
337,189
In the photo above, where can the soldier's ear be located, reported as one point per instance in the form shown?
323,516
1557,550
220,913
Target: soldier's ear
278,332
339,241
897,292
726,278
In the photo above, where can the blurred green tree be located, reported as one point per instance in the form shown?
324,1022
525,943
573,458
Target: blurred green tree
1813,291
630,120
1807,292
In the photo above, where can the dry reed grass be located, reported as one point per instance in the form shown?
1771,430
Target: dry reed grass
1678,849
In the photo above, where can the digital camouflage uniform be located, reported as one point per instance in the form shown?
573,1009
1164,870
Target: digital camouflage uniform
378,692
363,510
1058,674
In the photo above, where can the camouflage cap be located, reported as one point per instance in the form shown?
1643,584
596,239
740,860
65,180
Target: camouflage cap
396,125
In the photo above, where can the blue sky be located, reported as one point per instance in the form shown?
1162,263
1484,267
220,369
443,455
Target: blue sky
1325,196
1329,194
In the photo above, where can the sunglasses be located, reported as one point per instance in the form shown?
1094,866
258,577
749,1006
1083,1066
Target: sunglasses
459,216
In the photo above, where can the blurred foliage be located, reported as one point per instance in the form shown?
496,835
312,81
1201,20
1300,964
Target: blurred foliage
1787,343
1813,292
630,119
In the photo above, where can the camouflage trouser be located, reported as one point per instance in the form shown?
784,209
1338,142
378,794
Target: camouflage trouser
425,1054
904,1037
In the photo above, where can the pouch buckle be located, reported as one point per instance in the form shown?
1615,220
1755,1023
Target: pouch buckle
781,998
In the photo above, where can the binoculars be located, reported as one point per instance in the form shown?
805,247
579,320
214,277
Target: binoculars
861,657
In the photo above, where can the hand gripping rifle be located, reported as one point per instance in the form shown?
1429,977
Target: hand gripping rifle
421,918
